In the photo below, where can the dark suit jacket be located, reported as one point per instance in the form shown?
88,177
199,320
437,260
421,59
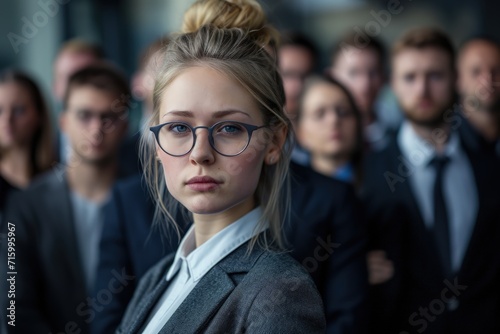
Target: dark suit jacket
5,189
260,292
472,138
416,299
129,244
326,233
50,291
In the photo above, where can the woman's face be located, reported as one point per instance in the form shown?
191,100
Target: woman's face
19,118
327,126
204,181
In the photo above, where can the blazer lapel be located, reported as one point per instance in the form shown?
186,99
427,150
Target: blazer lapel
484,205
205,299
418,226
211,292
60,213
404,190
146,305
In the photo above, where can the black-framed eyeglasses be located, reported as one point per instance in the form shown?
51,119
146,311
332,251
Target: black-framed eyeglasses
228,138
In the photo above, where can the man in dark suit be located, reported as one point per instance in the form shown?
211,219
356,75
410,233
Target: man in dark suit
58,220
325,232
438,201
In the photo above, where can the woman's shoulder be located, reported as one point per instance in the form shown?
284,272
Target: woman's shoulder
259,268
273,262
279,296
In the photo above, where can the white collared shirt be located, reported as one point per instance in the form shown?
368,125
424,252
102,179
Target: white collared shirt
459,187
191,264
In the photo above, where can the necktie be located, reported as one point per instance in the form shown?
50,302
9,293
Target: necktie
441,228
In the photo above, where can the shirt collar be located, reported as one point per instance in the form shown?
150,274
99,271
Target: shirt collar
200,260
418,151
345,173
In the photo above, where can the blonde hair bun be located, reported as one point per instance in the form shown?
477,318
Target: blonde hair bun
244,14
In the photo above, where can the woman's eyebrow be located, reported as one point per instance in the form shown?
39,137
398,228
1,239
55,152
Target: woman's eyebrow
217,114
182,113
223,113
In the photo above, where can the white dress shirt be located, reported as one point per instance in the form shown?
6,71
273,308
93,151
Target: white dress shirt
191,264
459,187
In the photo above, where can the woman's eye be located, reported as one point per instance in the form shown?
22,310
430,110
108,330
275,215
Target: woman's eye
343,112
230,128
84,116
179,128
320,113
18,111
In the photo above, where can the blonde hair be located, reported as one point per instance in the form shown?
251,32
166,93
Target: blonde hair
245,14
235,54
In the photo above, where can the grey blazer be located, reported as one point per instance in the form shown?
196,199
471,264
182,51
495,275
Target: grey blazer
260,292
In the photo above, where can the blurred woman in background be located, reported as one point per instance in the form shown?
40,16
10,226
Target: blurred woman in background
329,127
26,147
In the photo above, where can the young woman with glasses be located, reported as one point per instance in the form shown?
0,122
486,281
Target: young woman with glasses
218,146
329,127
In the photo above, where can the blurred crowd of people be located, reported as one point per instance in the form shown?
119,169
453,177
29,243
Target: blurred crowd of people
397,226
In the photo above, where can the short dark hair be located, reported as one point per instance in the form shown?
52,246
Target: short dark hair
352,40
103,77
421,38
293,38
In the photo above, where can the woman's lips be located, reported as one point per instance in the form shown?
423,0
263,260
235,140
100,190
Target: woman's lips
203,183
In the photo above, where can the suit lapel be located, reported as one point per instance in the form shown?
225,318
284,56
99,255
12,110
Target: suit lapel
59,208
211,292
147,303
205,299
480,225
417,225
404,190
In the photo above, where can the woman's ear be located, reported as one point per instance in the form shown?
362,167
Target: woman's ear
276,145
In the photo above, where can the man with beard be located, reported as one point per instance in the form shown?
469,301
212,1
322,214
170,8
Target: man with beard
479,88
432,200
58,220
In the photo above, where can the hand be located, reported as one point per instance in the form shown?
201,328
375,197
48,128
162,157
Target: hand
380,269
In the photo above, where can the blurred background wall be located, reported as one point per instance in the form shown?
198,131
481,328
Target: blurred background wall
31,31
